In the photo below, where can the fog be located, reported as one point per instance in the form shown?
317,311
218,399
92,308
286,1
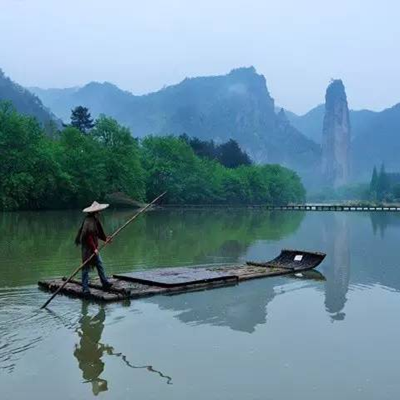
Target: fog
142,46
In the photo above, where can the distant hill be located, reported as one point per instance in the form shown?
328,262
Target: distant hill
379,142
310,124
24,101
102,97
233,106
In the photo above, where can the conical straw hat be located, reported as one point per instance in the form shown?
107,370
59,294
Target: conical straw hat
95,207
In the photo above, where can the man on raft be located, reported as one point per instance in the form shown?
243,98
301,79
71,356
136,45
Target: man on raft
88,237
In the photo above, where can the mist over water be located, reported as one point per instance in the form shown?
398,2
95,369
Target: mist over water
332,338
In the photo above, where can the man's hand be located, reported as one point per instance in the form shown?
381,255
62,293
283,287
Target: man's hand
96,251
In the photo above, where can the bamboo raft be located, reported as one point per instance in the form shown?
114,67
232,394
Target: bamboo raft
168,281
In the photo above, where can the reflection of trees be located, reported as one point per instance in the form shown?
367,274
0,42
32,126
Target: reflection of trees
381,265
380,221
34,245
192,236
336,235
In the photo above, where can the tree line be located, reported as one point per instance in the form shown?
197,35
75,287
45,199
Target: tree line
228,154
384,186
88,160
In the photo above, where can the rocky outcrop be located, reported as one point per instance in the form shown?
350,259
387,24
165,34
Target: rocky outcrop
336,136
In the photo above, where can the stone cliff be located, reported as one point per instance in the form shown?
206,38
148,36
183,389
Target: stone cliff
336,136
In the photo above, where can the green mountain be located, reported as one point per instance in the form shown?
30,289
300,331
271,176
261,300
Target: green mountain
24,101
233,106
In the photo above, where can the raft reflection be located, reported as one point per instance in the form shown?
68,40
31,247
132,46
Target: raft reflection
241,308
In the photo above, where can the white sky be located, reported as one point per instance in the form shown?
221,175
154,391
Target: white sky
299,45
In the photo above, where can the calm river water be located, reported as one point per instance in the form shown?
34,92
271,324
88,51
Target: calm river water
276,338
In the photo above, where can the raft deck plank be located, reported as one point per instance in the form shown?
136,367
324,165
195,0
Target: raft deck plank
75,290
170,277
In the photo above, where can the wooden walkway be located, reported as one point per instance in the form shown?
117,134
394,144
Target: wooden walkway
334,207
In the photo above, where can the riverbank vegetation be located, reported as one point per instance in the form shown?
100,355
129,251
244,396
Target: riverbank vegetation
383,188
72,167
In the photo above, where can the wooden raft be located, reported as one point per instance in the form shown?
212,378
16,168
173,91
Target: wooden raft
170,281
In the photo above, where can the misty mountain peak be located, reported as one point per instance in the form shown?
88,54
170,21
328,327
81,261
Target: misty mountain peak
243,71
101,87
335,93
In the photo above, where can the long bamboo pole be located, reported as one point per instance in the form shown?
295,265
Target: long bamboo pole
109,239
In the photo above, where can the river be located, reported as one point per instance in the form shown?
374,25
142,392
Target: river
275,338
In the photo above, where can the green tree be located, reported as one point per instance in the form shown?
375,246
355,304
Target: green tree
202,148
171,165
382,186
254,178
396,191
81,119
81,158
28,171
284,185
230,155
123,170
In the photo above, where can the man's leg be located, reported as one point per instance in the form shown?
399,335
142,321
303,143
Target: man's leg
100,271
85,279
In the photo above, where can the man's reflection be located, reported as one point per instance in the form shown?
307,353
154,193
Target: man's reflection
89,351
